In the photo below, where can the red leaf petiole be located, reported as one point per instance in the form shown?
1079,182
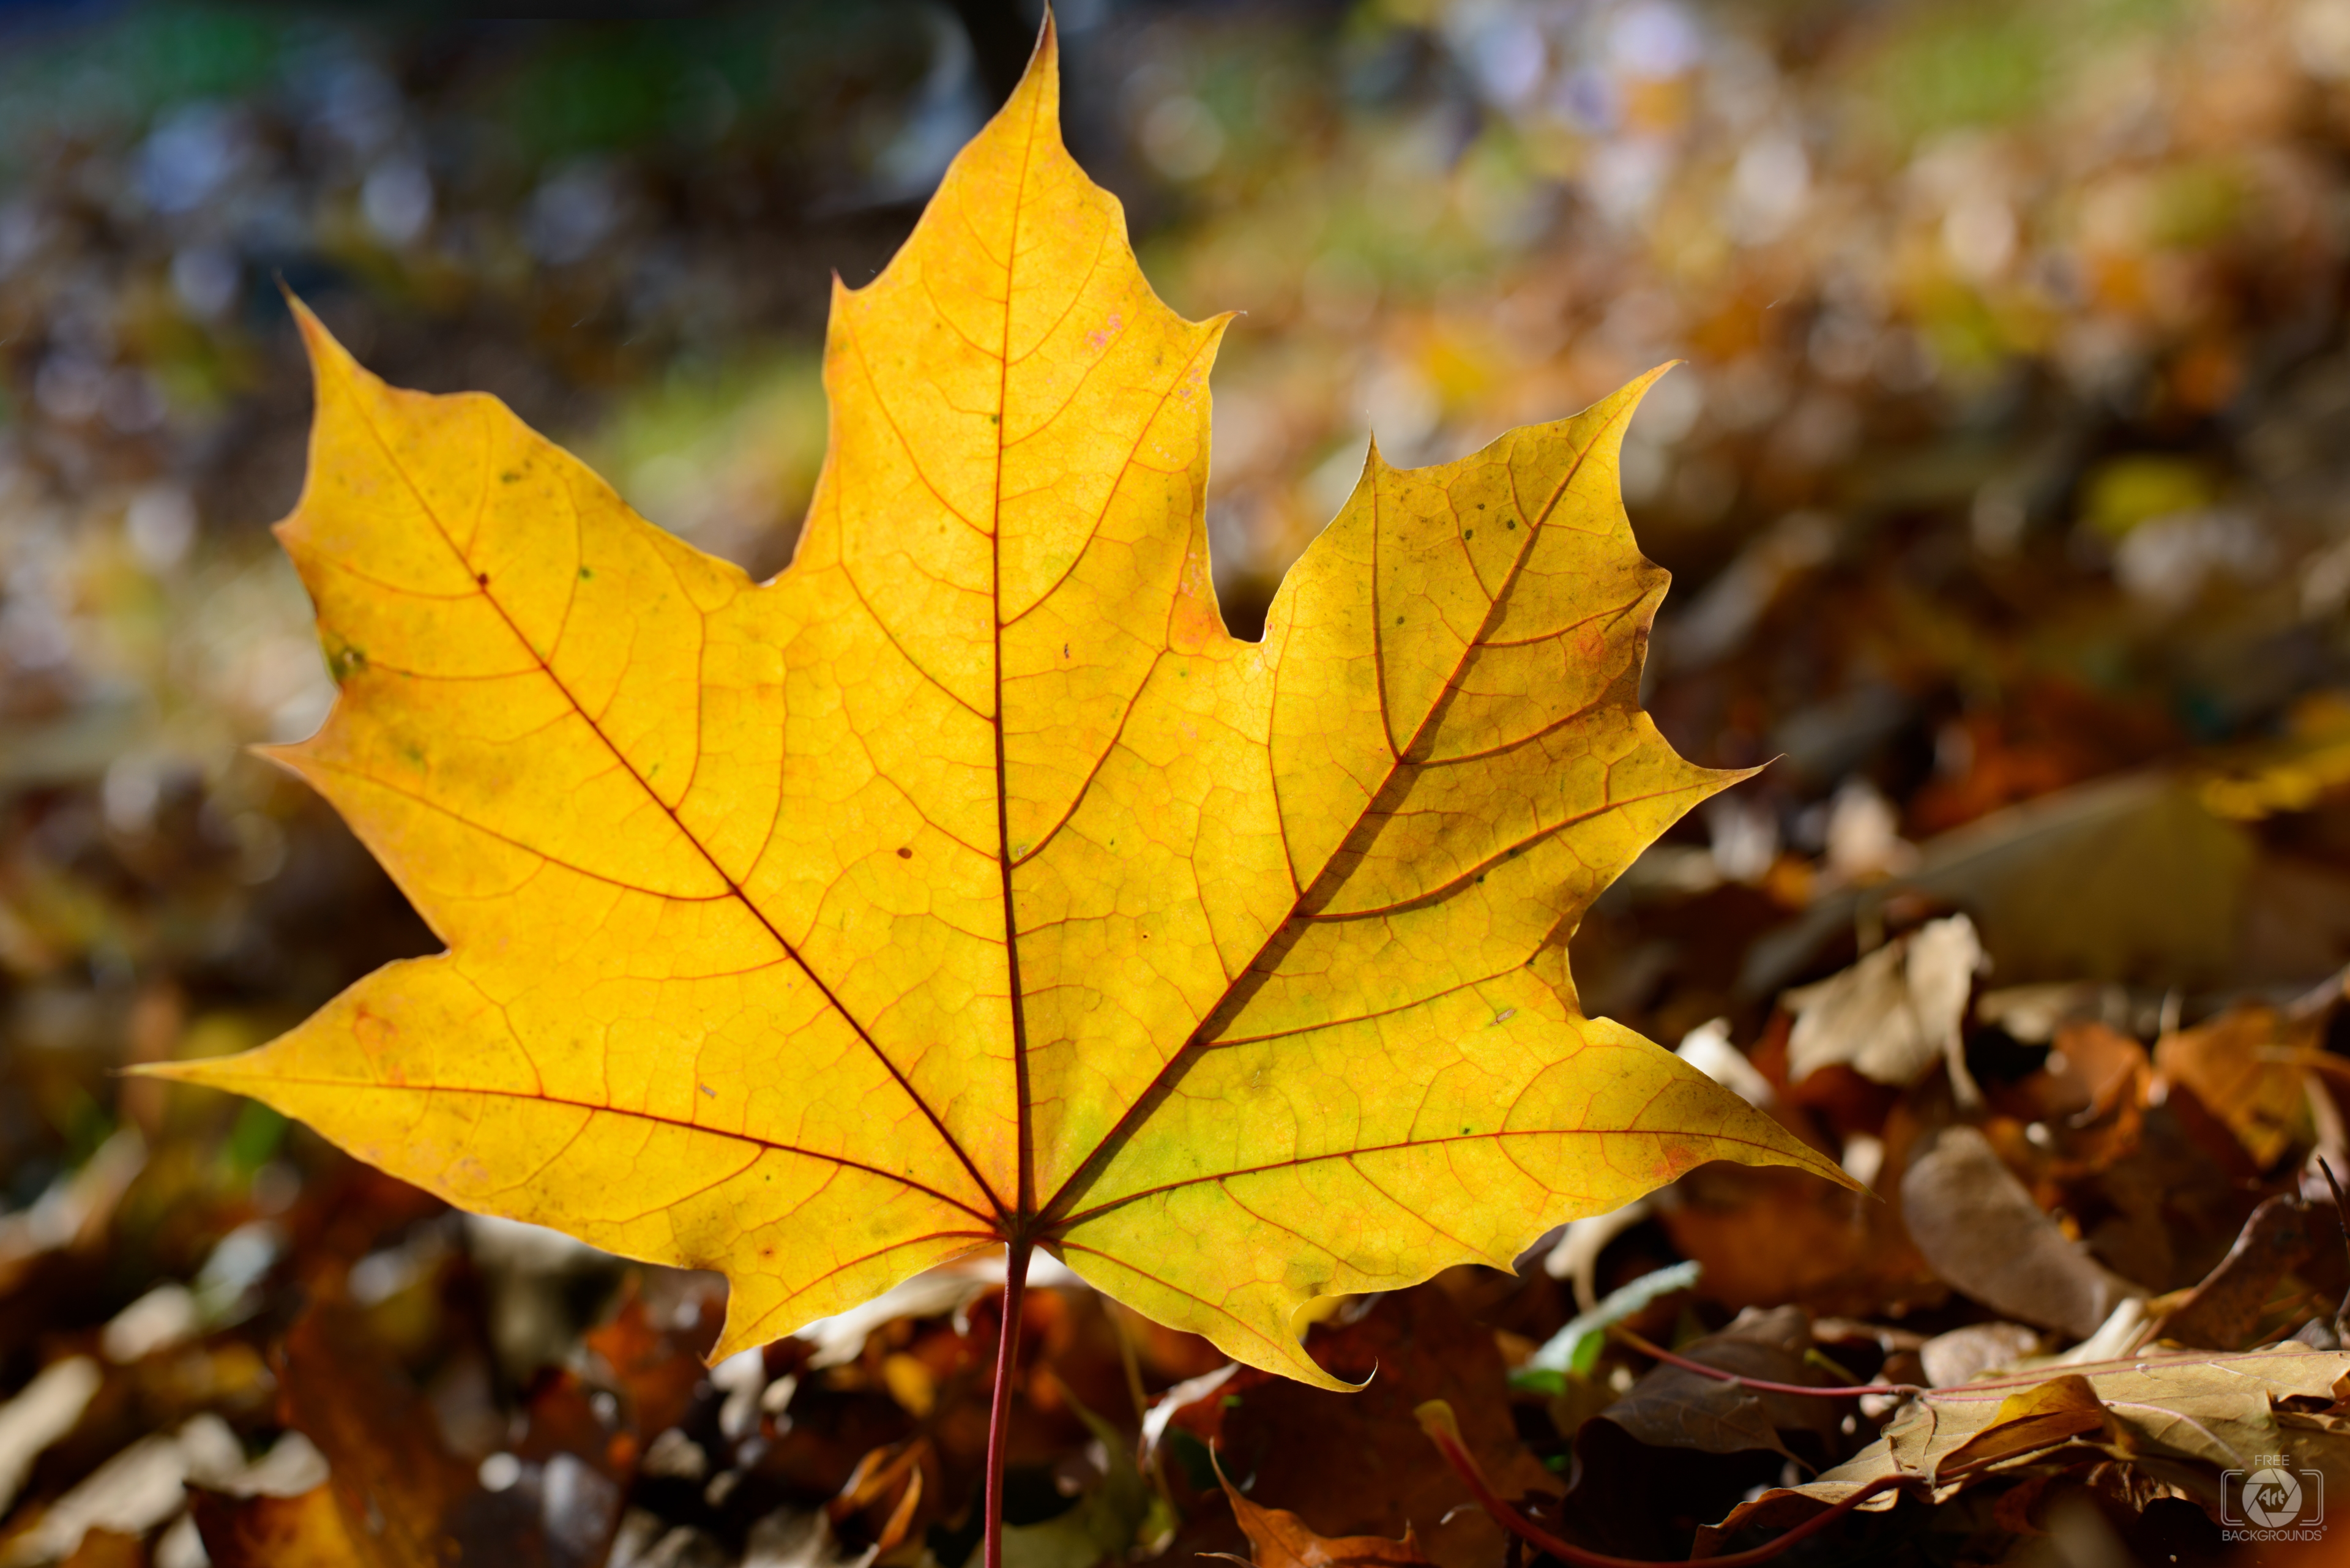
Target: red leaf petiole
999,1414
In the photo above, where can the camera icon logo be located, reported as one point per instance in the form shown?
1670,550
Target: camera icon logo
2273,1497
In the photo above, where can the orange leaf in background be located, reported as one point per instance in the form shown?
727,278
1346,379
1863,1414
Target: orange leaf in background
392,1478
2242,1065
653,1367
264,1531
968,883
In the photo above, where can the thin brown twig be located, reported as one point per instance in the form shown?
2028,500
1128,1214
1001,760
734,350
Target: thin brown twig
2341,1218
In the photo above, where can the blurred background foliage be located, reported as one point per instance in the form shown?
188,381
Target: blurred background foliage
2003,482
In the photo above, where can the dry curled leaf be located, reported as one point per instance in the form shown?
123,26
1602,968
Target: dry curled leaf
1968,1351
2027,1422
43,1411
2186,1418
2224,1312
1673,1408
968,883
1894,1014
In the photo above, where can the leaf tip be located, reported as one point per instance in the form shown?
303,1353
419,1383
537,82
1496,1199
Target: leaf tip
746,1327
1302,1367
292,757
205,1071
315,335
1820,1165
1632,393
1716,781
1042,77
322,349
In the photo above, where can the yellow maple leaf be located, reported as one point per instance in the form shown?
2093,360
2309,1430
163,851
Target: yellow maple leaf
968,883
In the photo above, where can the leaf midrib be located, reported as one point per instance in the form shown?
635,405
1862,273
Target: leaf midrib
1025,1207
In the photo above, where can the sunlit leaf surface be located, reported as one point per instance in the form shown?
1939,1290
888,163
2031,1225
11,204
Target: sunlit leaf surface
968,882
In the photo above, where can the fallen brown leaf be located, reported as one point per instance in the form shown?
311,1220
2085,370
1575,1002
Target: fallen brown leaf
2224,1312
2237,1065
657,1367
390,1476
1279,1539
1765,1242
1280,1437
405,1500
1977,1226
2165,1213
1674,1408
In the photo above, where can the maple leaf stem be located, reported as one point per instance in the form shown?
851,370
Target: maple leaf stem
1435,1420
999,1414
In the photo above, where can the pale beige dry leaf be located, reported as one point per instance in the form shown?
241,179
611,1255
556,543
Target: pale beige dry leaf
2189,1416
1894,1014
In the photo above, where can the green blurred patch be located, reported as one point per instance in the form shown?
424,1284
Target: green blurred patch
79,1120
255,1137
621,86
725,455
1966,335
2195,205
221,1033
1969,63
2125,492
